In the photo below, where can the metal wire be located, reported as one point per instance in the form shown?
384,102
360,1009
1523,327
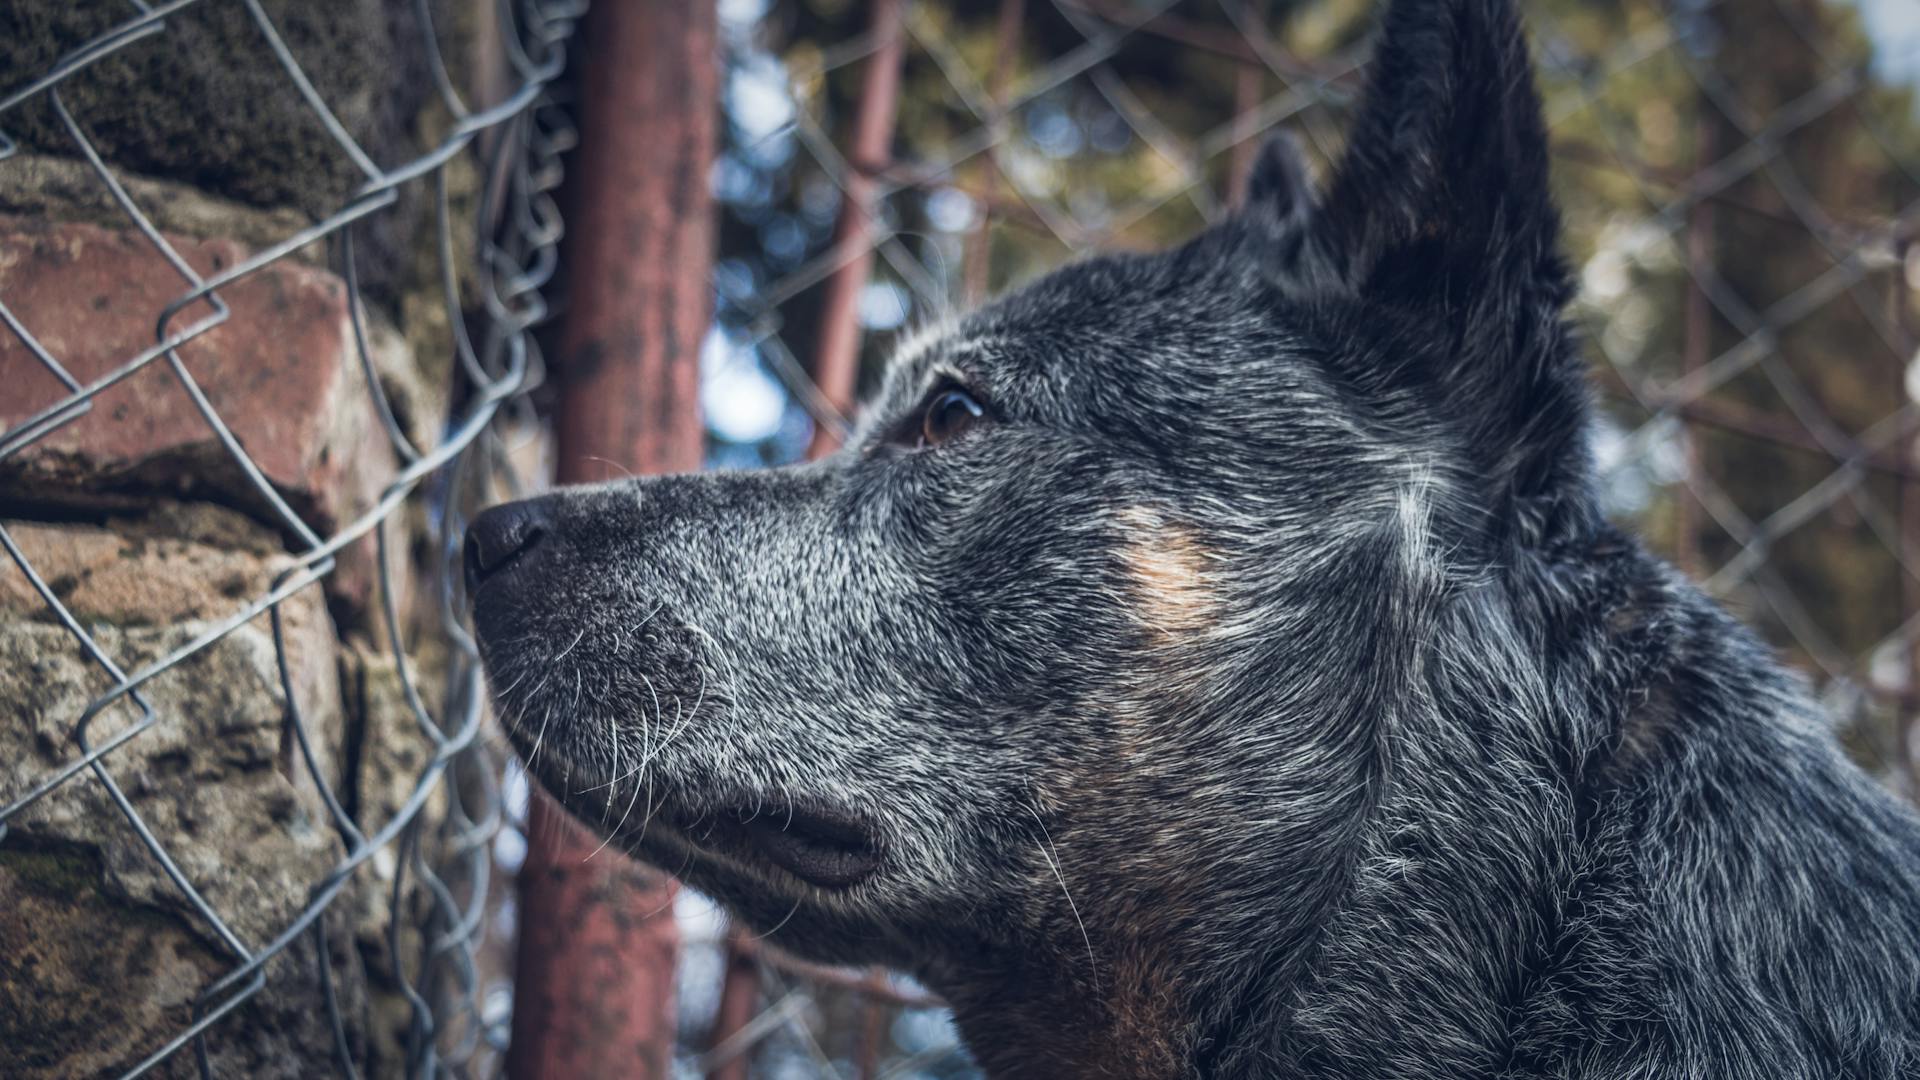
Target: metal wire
443,828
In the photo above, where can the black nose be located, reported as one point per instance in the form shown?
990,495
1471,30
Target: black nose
501,538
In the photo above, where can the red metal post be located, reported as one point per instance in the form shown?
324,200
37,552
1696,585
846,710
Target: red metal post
873,1026
977,260
739,993
594,989
836,362
1248,81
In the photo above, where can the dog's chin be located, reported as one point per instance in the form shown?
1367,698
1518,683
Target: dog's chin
816,904
759,843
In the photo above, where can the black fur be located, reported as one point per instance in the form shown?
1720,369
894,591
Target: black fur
1255,690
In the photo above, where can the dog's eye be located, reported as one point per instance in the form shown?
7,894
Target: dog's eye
948,413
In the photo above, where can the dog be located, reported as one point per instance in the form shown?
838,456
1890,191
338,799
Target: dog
1215,663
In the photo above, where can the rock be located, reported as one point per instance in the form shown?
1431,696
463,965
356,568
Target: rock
104,954
419,408
49,188
281,372
90,985
62,189
394,751
152,535
134,580
216,776
204,101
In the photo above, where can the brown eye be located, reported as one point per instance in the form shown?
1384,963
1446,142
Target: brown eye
949,413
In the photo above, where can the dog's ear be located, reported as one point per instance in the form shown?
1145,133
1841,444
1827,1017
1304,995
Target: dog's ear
1445,172
1279,199
1440,209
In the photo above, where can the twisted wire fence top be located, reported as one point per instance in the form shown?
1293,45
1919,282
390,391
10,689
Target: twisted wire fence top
437,841
1741,186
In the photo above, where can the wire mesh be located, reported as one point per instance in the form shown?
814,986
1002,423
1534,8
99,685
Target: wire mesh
1759,432
438,839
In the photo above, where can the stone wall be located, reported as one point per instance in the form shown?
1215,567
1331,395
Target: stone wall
151,535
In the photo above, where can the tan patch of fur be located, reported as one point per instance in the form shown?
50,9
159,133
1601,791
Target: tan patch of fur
1169,566
1123,1015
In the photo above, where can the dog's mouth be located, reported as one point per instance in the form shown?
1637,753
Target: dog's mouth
821,844
825,847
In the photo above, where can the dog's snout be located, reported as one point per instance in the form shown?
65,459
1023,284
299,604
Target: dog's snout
501,538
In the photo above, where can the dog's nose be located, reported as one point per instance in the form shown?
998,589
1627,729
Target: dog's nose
501,538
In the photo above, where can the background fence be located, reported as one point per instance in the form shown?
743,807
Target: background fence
1741,190
1739,181
149,737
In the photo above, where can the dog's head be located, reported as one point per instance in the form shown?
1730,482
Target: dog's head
1103,610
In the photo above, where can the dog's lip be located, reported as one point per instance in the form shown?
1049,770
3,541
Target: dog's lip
821,845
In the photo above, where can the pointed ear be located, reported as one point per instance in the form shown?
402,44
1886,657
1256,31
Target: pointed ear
1446,163
1440,210
1279,198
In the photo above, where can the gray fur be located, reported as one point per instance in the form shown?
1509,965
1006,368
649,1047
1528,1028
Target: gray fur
1257,691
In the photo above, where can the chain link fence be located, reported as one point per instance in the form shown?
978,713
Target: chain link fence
413,873
1741,197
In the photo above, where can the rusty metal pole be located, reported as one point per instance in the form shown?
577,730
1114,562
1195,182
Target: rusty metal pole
739,993
977,258
836,362
1248,81
874,1019
1697,341
594,987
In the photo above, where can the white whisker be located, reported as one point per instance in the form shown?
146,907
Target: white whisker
1047,849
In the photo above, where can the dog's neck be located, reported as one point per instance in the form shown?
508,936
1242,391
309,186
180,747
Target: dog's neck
1392,931
1025,1017
1454,932
1162,940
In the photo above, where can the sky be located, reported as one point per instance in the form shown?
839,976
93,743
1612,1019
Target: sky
1894,26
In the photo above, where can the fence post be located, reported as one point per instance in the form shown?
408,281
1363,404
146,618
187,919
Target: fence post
836,363
598,943
977,258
